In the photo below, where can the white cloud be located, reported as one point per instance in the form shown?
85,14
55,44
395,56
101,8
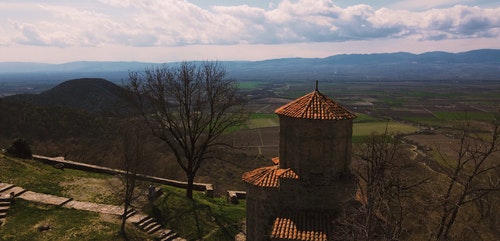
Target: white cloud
456,23
117,3
419,5
178,23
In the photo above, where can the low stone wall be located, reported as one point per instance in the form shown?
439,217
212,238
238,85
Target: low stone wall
234,196
57,161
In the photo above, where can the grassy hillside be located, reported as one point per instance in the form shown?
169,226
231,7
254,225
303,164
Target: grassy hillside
35,176
66,224
209,218
202,218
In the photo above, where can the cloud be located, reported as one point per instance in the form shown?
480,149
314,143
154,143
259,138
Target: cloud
178,23
456,23
29,35
421,5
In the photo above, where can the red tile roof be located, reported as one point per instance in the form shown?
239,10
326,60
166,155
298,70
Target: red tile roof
315,106
276,160
268,176
304,226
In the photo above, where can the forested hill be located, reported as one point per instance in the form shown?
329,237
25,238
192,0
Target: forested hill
481,64
89,94
70,116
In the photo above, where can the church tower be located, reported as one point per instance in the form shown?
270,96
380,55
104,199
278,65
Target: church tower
297,198
315,138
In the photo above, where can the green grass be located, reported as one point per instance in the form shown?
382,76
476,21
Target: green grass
66,224
444,161
293,94
393,102
259,120
365,129
453,115
38,177
364,125
202,218
431,121
365,118
420,94
450,118
426,94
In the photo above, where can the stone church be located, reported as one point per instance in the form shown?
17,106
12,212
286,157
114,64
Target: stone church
298,197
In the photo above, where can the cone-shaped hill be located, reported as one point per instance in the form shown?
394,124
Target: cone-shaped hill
90,94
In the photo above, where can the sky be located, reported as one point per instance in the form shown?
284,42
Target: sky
59,31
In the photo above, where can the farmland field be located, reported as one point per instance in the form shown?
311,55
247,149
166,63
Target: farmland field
440,106
262,134
262,120
367,128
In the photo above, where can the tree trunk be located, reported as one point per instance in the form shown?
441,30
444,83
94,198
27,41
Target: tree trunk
190,184
124,219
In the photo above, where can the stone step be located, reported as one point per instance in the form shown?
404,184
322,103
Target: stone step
5,186
65,202
16,190
142,220
150,226
3,215
165,233
5,198
5,203
153,229
6,193
130,213
4,209
170,237
145,222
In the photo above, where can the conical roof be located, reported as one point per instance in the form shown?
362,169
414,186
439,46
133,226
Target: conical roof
315,106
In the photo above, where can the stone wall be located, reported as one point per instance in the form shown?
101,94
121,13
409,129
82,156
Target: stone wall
316,149
297,195
264,204
261,208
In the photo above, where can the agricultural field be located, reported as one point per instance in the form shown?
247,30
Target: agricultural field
404,107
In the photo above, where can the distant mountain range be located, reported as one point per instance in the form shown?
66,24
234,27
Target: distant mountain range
483,64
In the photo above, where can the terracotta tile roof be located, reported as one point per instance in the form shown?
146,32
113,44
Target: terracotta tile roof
304,226
276,160
268,176
315,106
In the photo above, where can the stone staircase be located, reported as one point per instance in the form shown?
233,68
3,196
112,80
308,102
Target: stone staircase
130,212
151,226
7,193
4,207
145,223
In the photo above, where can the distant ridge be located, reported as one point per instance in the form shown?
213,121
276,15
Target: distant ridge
90,94
482,64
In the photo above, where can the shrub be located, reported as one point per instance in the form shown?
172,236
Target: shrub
20,148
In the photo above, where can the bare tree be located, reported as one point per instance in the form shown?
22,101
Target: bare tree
134,160
472,174
188,107
383,190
